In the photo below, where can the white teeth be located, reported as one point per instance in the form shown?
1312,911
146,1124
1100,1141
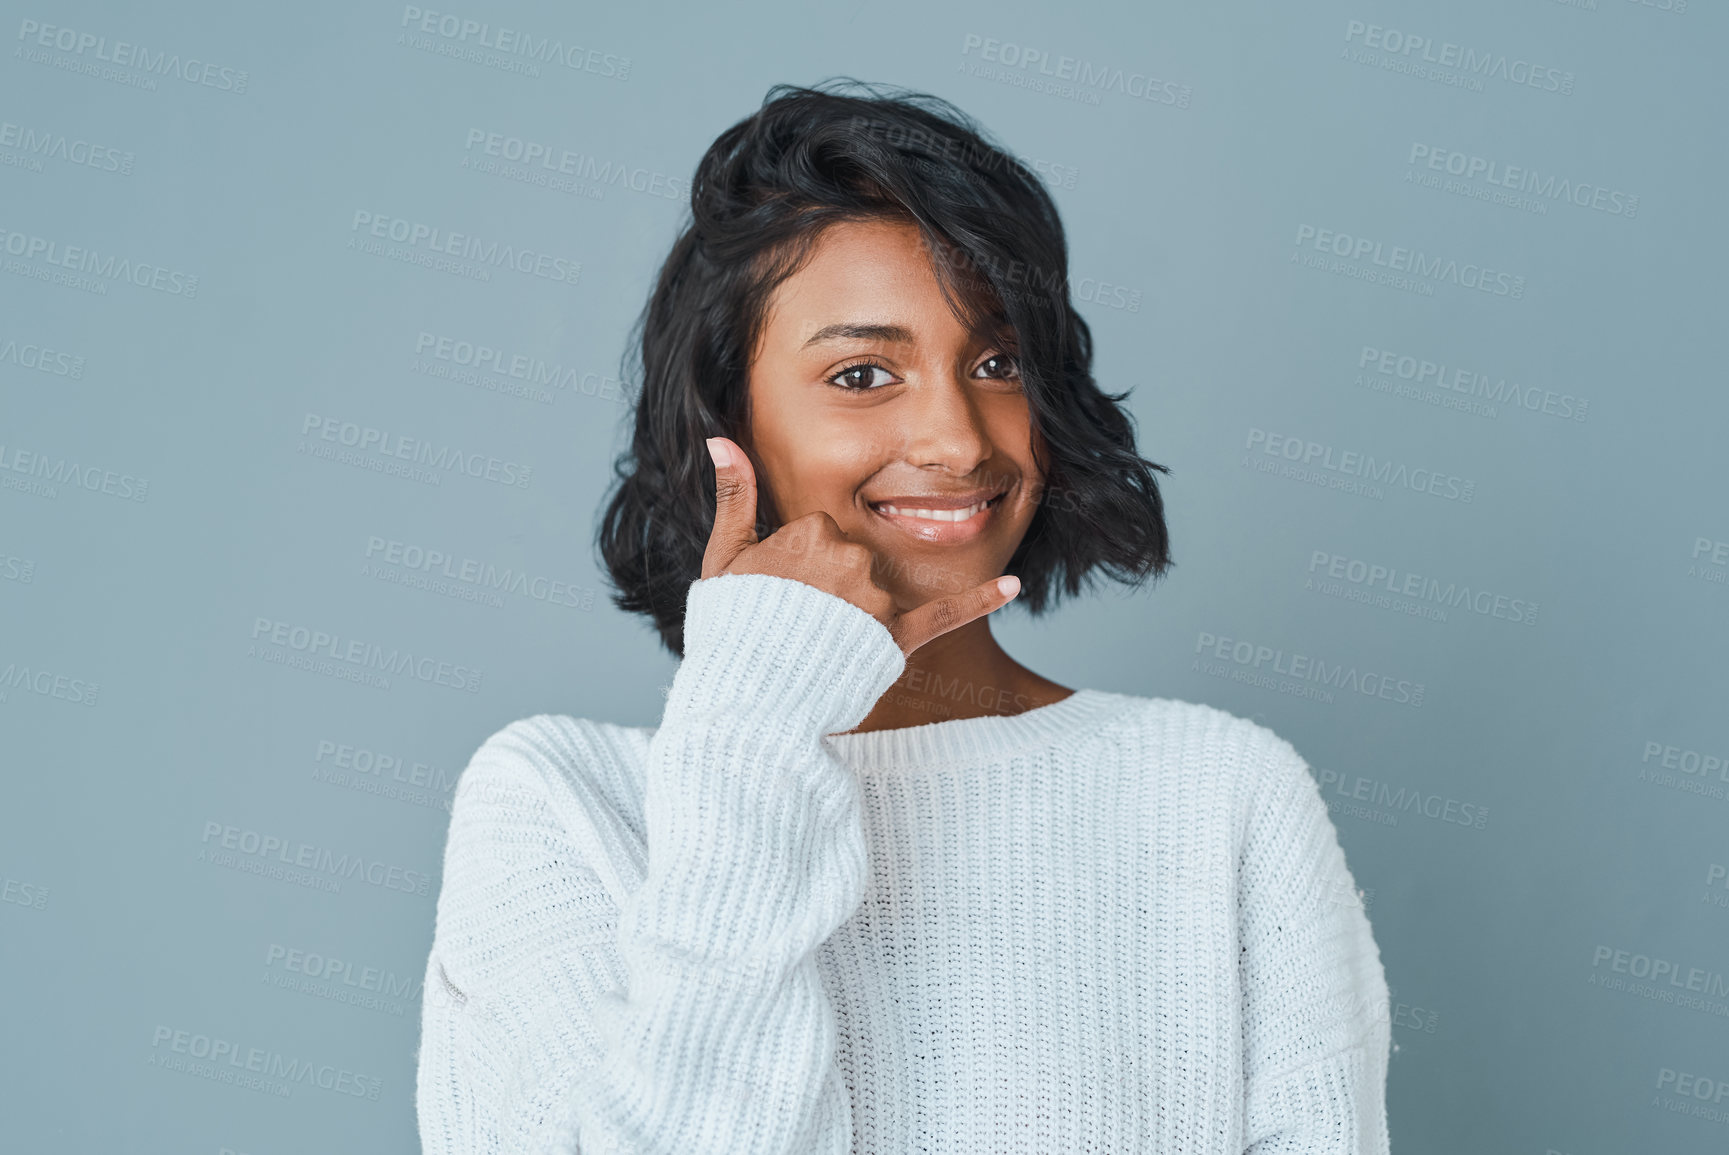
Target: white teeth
936,514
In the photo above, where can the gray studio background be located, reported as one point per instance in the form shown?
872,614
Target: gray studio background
1421,302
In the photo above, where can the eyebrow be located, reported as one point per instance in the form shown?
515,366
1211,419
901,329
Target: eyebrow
853,331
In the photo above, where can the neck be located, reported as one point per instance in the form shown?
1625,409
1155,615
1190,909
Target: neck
962,674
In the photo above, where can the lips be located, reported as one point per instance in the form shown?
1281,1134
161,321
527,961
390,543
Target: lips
915,503
940,518
929,510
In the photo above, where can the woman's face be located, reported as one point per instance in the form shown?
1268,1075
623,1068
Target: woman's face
871,402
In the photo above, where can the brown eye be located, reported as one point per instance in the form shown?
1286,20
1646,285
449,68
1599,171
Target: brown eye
1002,366
859,378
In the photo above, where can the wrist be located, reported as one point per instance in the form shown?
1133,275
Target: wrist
764,644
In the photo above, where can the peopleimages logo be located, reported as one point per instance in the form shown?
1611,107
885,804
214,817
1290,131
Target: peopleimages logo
927,145
88,262
379,764
16,676
223,843
14,568
1699,1096
87,46
1716,878
1660,970
226,1061
1710,561
340,980
44,474
41,358
1697,772
536,375
1069,76
41,144
1302,674
513,42
21,893
1422,374
360,659
369,439
1445,61
472,571
1691,762
556,161
383,775
1402,800
1519,179
1397,259
1352,469
1373,578
429,241
314,965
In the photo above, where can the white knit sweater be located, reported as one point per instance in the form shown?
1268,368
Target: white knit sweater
1112,925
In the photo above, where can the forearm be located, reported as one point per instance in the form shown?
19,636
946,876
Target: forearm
1317,1030
651,989
723,1038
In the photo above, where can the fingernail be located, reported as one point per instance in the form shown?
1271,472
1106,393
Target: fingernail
721,454
1009,584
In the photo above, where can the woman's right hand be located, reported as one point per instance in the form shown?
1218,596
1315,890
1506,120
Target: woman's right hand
812,549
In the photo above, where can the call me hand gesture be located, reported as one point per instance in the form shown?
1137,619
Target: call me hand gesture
812,549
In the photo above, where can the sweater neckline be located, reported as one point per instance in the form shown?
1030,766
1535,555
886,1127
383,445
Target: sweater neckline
984,739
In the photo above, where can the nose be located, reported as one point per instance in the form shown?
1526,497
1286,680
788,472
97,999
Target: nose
943,427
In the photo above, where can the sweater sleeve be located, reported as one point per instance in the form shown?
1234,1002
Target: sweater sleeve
699,1023
1316,1022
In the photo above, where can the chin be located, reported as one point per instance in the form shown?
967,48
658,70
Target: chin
921,576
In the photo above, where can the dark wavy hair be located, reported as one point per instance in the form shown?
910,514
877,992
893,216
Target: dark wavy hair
845,150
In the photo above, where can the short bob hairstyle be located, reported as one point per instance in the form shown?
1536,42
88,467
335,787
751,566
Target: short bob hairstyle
761,196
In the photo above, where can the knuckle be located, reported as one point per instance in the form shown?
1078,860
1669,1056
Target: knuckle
945,615
808,529
821,522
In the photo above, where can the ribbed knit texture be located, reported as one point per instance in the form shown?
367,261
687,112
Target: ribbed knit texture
1113,925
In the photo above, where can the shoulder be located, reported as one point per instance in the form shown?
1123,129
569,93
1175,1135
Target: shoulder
554,737
1283,839
1199,734
556,751
571,777
542,844
1243,764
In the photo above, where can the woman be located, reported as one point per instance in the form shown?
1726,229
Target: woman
872,885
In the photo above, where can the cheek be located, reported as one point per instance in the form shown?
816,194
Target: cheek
823,469
1012,431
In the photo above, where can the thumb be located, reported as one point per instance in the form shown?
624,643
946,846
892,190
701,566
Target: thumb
734,506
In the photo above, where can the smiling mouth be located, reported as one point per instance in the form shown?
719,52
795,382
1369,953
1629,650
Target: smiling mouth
926,520
909,510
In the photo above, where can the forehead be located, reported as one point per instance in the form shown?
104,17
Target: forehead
875,271
853,260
